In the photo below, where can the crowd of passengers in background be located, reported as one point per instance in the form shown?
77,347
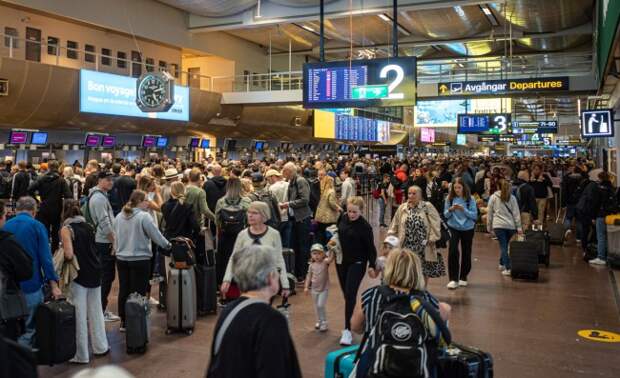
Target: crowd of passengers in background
314,206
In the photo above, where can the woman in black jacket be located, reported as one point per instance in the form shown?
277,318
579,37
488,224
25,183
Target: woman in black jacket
178,216
358,251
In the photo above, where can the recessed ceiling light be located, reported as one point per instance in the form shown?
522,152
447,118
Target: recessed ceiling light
384,17
308,28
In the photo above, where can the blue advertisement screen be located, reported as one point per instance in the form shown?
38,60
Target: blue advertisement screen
105,93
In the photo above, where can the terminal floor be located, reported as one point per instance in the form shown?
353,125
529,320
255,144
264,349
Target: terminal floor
530,328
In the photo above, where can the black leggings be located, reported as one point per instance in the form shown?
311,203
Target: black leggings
133,277
350,277
466,238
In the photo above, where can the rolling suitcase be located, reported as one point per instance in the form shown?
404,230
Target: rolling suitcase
289,260
524,259
137,323
340,363
55,332
464,362
543,245
556,231
181,297
206,289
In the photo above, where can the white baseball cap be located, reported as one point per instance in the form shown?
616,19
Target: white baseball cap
392,241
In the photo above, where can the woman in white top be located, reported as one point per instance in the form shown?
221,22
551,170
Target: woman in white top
504,220
261,234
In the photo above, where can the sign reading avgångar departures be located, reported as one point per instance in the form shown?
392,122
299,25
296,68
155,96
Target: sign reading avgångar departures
508,86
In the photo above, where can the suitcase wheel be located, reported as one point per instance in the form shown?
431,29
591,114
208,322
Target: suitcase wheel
189,332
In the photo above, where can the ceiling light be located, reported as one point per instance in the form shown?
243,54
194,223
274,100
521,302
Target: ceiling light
308,28
489,14
385,17
486,10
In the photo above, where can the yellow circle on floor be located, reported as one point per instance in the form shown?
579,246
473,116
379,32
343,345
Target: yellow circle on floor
598,335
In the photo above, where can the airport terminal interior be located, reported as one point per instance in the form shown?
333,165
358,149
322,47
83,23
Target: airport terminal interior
423,138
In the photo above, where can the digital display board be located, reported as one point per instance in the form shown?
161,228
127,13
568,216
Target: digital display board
105,93
442,113
427,135
162,142
259,146
206,143
149,141
18,137
342,126
360,83
597,123
194,142
484,123
92,140
461,139
108,141
38,138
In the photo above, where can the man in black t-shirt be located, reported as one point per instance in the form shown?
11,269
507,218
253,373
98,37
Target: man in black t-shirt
122,188
248,329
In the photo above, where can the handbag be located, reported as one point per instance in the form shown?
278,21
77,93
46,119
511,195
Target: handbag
444,232
12,301
430,253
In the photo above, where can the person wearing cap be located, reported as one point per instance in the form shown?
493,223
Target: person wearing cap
170,175
258,233
262,193
103,217
52,189
279,188
317,283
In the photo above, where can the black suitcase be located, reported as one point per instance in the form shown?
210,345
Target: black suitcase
524,259
55,332
556,233
17,360
289,260
465,362
137,323
543,244
206,289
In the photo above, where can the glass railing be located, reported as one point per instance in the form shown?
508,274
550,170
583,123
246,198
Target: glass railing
54,54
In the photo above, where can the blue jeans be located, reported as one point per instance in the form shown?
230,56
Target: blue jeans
33,300
381,210
571,212
503,237
601,237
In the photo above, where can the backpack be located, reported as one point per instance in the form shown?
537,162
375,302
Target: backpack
5,186
584,205
232,217
576,195
609,201
85,207
403,346
315,194
267,197
75,186
516,191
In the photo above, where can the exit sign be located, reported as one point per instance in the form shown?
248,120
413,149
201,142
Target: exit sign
369,92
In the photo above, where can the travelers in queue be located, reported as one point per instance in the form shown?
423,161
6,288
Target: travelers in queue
328,211
461,213
78,241
258,233
504,221
135,230
249,329
358,252
417,225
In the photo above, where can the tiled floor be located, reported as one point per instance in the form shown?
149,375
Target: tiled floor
530,328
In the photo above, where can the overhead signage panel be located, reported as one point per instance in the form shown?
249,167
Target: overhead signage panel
597,123
360,83
341,126
535,127
105,93
509,86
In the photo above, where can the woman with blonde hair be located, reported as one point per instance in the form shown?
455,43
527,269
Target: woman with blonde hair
504,220
358,252
403,280
328,210
246,187
418,226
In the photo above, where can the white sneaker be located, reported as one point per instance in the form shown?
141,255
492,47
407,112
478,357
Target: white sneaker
501,268
109,316
347,338
598,261
567,233
323,327
122,329
506,272
317,325
462,283
452,285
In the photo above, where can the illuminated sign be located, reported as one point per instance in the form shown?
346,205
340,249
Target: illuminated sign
360,83
105,93
427,135
494,87
535,127
443,113
483,123
488,138
597,123
341,126
461,139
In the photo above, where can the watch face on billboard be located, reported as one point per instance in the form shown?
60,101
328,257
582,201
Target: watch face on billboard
597,123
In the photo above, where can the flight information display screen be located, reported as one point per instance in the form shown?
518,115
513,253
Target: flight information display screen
343,126
360,83
473,123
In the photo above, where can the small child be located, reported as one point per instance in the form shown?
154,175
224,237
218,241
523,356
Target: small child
318,280
389,244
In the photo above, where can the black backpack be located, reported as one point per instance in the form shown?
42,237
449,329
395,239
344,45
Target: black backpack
576,195
232,217
5,186
609,200
267,197
315,194
403,346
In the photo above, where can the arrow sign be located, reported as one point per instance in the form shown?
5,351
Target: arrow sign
443,88
369,92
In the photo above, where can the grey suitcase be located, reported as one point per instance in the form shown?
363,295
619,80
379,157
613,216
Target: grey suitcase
137,323
181,300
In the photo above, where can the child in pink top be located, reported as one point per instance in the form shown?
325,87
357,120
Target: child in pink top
317,283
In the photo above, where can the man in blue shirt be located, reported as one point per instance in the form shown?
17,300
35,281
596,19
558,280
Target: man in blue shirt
32,236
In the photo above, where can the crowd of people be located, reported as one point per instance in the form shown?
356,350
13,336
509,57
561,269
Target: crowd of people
120,217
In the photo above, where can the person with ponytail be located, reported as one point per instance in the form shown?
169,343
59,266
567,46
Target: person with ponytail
135,230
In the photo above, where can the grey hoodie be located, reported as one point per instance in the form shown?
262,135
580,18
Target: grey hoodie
101,213
134,233
503,215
